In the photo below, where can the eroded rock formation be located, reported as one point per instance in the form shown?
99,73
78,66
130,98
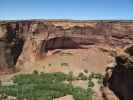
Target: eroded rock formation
121,80
26,41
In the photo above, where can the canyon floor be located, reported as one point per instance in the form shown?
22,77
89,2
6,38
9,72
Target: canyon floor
75,60
66,61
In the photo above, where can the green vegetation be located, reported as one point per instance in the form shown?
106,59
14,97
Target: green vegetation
86,71
90,84
49,64
97,76
64,64
35,72
81,76
45,86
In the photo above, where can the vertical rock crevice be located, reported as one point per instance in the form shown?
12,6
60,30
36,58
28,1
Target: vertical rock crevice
11,45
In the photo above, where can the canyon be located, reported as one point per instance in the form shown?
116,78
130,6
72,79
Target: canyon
35,38
48,45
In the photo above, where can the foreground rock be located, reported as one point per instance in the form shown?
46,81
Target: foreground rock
120,81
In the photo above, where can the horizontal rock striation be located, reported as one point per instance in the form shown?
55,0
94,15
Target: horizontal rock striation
26,41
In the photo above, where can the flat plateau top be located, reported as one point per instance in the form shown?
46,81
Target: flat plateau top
67,20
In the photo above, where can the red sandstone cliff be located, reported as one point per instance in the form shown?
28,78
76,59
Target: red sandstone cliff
26,41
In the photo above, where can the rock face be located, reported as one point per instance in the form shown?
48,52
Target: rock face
10,46
120,82
26,41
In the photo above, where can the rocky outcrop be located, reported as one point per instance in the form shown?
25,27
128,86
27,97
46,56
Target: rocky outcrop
26,41
10,46
120,81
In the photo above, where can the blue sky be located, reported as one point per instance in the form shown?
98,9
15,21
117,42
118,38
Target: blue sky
66,9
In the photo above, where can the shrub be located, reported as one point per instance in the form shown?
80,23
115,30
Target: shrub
82,76
49,64
70,76
35,72
64,64
90,84
86,71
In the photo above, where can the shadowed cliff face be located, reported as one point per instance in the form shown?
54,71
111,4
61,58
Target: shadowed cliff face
121,80
59,43
21,38
10,47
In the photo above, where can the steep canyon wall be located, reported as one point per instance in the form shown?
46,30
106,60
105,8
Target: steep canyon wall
26,41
